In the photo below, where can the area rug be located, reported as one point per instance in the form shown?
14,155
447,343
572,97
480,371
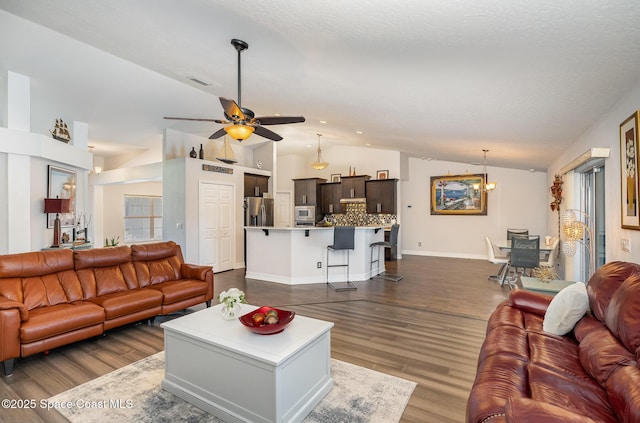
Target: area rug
133,394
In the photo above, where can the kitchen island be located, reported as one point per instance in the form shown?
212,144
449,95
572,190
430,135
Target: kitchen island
298,255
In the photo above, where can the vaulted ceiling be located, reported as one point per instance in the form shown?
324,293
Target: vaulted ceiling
441,79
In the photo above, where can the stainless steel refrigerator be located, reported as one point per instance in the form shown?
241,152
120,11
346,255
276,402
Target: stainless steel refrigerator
258,211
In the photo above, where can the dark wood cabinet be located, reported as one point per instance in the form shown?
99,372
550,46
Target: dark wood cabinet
331,194
255,185
381,196
354,186
307,191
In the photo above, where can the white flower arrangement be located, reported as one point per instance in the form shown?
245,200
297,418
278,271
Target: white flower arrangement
232,297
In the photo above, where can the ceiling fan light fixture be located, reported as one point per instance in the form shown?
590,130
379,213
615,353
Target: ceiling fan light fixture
239,132
319,164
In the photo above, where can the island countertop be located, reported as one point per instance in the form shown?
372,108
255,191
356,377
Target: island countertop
298,254
302,228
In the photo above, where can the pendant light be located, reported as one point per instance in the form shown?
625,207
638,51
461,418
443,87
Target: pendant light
319,164
486,186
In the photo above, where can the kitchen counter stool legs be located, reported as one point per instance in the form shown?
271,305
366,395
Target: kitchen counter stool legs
343,240
393,241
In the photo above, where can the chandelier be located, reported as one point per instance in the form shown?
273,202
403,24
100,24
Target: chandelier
486,186
319,164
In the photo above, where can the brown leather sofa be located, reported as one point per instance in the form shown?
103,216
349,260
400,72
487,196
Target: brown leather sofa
56,297
589,375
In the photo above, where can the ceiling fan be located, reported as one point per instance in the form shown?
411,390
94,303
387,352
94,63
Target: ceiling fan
241,122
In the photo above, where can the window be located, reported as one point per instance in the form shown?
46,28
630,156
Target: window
142,218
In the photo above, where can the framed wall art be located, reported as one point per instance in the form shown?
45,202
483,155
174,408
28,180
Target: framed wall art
335,177
629,172
382,174
458,194
62,184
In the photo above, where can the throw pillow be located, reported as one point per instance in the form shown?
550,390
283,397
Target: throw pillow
566,308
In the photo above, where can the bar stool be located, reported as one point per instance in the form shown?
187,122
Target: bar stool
343,240
393,241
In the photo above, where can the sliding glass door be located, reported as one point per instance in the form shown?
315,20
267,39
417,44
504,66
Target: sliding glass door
593,203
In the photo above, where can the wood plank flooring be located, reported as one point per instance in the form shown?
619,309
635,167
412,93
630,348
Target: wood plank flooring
428,327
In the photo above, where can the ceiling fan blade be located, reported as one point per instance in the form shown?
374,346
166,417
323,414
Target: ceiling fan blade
220,132
195,119
231,109
267,133
278,120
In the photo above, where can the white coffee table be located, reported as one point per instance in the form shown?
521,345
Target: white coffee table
239,376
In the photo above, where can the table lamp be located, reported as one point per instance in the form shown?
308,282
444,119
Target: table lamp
57,206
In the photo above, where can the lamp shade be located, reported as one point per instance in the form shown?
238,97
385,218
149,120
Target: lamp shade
573,231
57,205
239,132
319,164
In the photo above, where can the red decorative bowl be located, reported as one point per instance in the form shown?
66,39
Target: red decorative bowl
285,317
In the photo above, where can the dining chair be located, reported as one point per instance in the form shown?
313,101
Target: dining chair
525,254
495,256
516,232
551,258
343,240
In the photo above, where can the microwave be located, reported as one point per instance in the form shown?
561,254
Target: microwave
305,215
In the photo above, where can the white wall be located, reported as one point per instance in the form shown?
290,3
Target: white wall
605,133
519,201
4,217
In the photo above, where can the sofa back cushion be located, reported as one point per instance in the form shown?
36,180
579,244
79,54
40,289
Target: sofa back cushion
157,262
623,314
605,282
104,271
40,278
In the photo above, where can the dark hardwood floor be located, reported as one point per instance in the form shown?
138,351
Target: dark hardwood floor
428,327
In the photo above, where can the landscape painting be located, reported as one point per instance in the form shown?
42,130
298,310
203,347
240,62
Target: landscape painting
458,194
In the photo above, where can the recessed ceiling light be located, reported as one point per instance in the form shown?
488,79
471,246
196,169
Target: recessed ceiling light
368,144
323,121
359,132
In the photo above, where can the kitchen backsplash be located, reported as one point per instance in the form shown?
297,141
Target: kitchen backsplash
356,215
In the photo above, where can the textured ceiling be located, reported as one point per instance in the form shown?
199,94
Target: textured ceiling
440,79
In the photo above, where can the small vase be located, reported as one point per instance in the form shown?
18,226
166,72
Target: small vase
230,312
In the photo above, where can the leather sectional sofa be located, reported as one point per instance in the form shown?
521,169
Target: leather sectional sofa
591,374
56,297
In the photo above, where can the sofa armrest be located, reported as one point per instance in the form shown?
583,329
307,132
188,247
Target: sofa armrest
9,334
194,271
529,301
526,410
7,304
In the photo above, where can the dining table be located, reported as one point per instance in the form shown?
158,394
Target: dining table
505,245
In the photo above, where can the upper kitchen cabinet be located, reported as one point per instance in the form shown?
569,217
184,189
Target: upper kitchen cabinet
381,196
307,191
331,194
255,185
354,186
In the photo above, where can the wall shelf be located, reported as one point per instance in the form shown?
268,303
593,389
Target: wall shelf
37,145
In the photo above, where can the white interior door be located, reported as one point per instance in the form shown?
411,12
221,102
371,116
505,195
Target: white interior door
283,209
216,226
